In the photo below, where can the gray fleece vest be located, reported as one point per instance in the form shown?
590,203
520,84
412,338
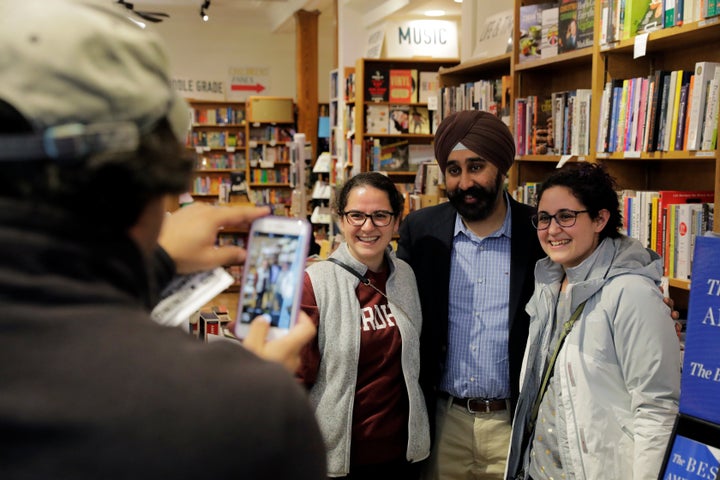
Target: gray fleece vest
339,341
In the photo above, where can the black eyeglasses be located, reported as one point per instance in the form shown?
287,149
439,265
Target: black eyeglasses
381,218
564,218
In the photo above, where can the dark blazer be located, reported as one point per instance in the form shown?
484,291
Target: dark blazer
426,238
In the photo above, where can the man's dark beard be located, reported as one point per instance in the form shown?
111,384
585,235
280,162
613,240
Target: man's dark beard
485,204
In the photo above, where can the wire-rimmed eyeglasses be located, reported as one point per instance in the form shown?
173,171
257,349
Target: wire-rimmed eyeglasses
380,218
565,218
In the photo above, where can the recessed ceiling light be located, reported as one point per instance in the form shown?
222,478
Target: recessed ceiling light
435,13
458,1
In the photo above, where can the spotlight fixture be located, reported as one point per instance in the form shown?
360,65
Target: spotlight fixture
203,11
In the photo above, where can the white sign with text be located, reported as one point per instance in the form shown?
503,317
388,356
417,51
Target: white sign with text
422,38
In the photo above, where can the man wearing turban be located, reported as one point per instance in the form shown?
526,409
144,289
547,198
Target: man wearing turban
473,259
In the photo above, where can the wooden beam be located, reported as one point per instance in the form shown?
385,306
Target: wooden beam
306,68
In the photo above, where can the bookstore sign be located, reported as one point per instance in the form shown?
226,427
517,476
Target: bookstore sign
199,88
421,38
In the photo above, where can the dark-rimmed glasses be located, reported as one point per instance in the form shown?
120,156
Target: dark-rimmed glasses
380,218
565,218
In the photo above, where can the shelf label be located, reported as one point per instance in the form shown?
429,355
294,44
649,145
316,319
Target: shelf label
705,153
640,46
563,160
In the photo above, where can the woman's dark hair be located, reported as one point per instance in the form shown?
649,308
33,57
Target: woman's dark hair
375,180
108,190
593,187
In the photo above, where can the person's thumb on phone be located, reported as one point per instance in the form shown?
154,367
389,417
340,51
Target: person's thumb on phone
284,350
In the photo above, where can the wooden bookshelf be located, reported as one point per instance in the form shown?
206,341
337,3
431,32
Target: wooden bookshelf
396,132
218,139
678,47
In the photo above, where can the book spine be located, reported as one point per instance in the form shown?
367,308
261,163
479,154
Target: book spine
711,112
682,106
662,117
642,115
622,115
670,118
704,72
675,115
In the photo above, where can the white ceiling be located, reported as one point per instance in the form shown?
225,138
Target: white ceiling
278,14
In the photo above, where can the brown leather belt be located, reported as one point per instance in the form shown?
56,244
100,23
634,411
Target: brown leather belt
480,405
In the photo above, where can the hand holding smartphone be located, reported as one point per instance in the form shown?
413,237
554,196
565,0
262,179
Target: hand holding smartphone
272,278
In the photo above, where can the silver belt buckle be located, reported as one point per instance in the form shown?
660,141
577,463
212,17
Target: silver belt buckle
484,400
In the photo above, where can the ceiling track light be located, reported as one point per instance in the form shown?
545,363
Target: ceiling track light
203,11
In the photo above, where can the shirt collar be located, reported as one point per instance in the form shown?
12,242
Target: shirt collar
504,230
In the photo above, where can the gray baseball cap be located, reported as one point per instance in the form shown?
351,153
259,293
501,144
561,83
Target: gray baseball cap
85,63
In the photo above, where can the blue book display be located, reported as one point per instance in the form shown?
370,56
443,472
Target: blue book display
700,383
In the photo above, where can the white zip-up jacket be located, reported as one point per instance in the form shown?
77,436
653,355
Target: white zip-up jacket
618,372
334,391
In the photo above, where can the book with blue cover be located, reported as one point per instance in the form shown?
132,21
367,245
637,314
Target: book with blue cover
700,381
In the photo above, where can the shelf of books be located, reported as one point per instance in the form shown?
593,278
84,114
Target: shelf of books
641,95
342,126
271,126
656,128
395,115
218,139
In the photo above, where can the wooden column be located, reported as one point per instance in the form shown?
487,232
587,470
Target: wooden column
306,71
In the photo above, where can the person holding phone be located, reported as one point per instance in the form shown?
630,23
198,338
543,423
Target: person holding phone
600,383
362,369
92,140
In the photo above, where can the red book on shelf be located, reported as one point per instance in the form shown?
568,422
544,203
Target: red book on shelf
669,197
403,86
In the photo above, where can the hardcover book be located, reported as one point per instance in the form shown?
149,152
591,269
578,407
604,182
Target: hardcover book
585,23
428,86
700,382
376,119
394,156
377,85
549,39
399,119
693,451
671,197
403,86
531,31
567,25
419,120
659,83
704,72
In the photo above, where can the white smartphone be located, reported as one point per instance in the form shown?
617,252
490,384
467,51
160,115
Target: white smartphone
273,275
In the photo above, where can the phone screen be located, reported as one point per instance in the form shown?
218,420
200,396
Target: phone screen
274,267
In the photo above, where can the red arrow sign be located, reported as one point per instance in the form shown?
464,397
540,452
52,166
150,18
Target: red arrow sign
247,88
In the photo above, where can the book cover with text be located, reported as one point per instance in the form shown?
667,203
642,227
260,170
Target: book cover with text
700,381
403,85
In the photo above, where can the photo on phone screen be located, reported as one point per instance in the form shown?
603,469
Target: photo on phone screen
274,269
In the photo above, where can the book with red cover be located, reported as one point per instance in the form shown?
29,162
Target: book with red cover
669,197
403,86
